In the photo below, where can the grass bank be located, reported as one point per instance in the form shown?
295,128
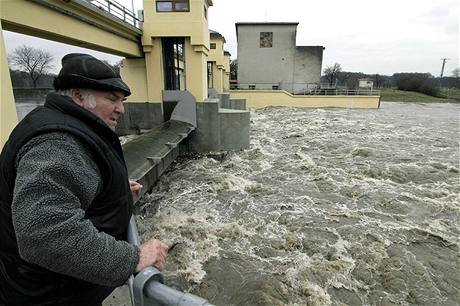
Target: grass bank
394,95
451,93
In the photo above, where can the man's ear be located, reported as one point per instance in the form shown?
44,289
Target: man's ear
77,96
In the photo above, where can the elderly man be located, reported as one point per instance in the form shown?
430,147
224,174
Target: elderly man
65,199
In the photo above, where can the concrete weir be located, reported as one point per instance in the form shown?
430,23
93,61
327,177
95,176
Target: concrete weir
192,127
222,125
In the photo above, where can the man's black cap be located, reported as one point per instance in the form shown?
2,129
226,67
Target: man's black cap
85,71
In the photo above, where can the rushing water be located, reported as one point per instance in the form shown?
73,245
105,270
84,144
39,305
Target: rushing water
327,207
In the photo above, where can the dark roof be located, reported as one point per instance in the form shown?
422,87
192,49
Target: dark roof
227,53
214,34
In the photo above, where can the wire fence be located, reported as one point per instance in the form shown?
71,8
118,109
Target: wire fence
118,10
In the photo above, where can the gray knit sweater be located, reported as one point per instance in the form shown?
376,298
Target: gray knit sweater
56,181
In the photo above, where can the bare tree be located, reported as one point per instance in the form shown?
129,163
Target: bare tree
35,62
331,73
234,69
456,75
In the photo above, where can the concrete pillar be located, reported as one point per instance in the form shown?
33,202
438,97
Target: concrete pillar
217,75
8,114
153,64
144,107
226,81
196,70
134,73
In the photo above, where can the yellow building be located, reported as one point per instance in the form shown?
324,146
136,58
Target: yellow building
227,62
218,63
170,52
173,32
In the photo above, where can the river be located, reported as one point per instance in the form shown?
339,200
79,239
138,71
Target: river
326,207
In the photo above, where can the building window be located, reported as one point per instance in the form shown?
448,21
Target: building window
173,62
213,45
266,39
173,5
210,76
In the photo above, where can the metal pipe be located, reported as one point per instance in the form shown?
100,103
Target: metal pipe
133,234
168,296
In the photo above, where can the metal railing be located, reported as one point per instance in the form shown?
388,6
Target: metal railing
307,89
290,87
344,92
118,10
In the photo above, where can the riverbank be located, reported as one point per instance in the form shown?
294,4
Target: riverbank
394,95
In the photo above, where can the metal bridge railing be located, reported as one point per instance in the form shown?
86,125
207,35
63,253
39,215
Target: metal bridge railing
307,89
344,92
118,10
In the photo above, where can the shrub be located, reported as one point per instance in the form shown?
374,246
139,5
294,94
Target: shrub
419,82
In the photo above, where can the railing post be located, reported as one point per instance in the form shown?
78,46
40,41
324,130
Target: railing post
117,10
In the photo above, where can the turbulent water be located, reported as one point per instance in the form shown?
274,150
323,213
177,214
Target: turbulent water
327,207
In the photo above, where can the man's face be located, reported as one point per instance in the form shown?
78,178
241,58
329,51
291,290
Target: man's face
109,106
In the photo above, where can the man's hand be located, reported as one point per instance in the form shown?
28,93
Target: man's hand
152,253
135,187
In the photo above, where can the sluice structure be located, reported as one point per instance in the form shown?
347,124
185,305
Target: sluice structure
166,49
168,58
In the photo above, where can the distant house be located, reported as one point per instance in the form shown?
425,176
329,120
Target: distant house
268,58
365,83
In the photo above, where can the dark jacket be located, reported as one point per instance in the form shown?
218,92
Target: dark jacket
49,275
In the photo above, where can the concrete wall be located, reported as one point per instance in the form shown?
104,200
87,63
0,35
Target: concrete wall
139,117
264,98
206,137
134,73
266,65
234,129
219,129
227,103
307,66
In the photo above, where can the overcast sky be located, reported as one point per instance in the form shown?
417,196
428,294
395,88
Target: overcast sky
369,36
